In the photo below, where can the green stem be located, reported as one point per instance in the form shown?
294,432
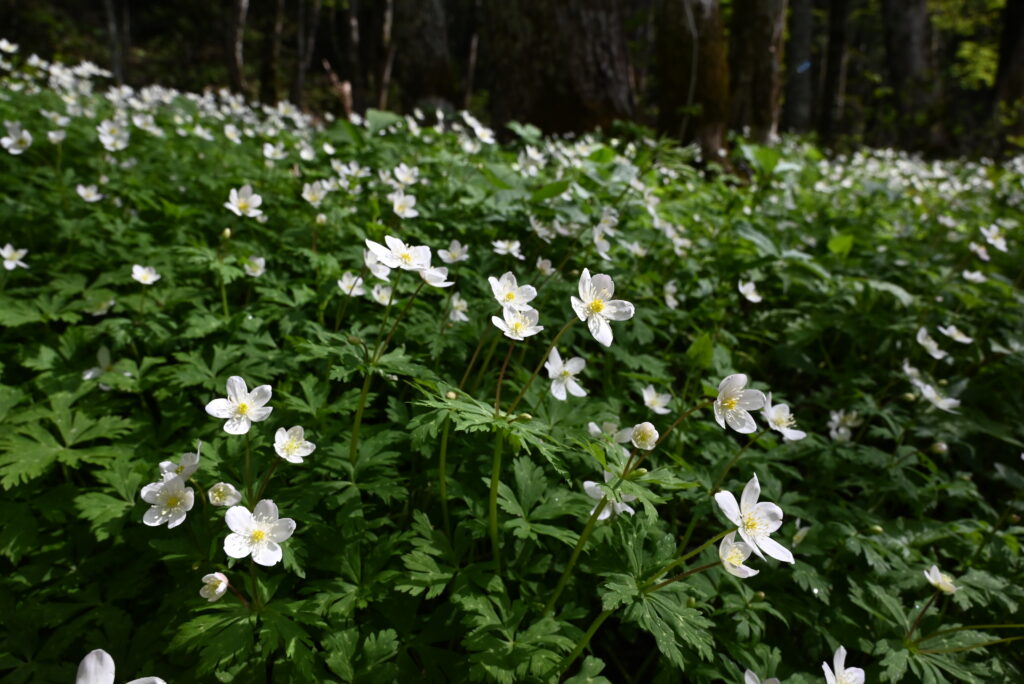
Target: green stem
442,467
580,645
472,361
353,449
256,594
394,326
492,508
501,379
248,471
580,543
224,297
540,365
984,644
266,479
485,365
682,559
728,467
953,630
920,615
680,576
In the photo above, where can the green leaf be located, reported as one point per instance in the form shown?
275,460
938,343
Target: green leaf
550,190
840,244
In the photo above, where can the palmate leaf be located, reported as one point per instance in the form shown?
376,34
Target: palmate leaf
675,627
431,564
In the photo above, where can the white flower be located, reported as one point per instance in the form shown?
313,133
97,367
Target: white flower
381,294
842,674
146,275
510,247
56,136
274,152
563,375
170,500
510,294
734,402
455,253
97,667
670,290
314,193
88,193
259,533
750,678
644,436
214,586
255,266
840,422
656,402
224,494
955,334
406,175
189,464
755,520
610,429
613,507
13,257
104,366
940,580
241,408
518,324
17,139
974,276
244,202
749,291
994,236
291,444
596,306
232,133
375,267
545,267
459,308
351,285
937,399
399,255
930,345
979,251
403,204
780,419
436,276
733,554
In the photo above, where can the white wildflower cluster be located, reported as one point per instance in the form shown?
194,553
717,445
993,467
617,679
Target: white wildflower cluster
733,405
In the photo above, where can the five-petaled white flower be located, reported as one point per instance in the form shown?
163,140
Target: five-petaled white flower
749,291
291,445
88,193
459,308
780,419
146,275
749,677
518,324
733,554
940,580
455,253
930,345
644,436
842,674
13,257
734,403
596,306
403,204
840,423
189,464
97,667
974,276
17,139
994,236
563,375
214,586
436,276
617,503
510,294
224,494
254,266
399,255
259,533
244,202
242,408
352,285
755,521
656,402
169,501
314,193
381,294
510,247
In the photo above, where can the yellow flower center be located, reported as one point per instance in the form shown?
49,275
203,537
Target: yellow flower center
730,404
243,409
173,502
516,327
510,296
406,257
257,536
751,524
596,306
243,205
179,470
565,373
734,557
291,446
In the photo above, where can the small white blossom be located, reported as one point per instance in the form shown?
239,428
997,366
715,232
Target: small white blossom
170,501
655,401
255,266
781,420
613,507
734,403
518,325
381,294
146,275
215,585
955,334
436,276
940,580
596,306
840,424
224,494
17,139
563,375
749,291
974,276
755,521
97,667
244,202
508,247
258,534
842,674
314,193
13,257
930,345
644,436
241,408
459,308
189,464
352,285
403,204
455,253
510,294
291,444
375,267
733,554
88,193
545,267
399,255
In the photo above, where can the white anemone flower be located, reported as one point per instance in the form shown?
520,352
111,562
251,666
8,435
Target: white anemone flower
842,674
613,507
545,267
224,494
17,139
241,408
146,275
974,276
781,420
436,276
510,294
314,193
734,403
940,580
596,306
381,294
375,267
930,345
755,521
88,193
455,253
994,236
749,291
644,436
749,677
508,247
244,202
655,401
352,285
170,500
399,255
733,554
97,667
215,585
258,534
518,325
563,375
611,429
403,204
13,257
189,464
291,444
254,266
459,308
955,334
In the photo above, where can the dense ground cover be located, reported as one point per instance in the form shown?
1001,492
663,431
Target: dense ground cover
452,510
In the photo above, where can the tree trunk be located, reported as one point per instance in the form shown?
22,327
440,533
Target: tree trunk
387,45
116,44
305,42
1009,89
756,66
833,89
563,66
271,53
912,71
236,45
422,62
799,82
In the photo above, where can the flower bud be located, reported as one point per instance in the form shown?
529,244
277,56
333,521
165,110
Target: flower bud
226,235
758,596
876,529
451,395
321,219
939,448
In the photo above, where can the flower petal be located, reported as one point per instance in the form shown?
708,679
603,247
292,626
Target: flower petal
236,546
237,425
575,365
732,383
600,329
618,310
579,308
237,391
220,408
775,549
265,510
259,414
740,421
727,502
267,554
750,400
602,286
154,516
751,493
281,530
97,667
260,395
558,389
238,519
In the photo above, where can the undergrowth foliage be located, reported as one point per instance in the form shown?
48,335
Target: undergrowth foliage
385,400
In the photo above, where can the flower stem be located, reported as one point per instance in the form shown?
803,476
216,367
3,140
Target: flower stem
472,361
266,479
917,620
682,575
442,468
238,594
728,467
631,466
580,645
248,470
492,508
398,320
584,536
501,379
682,559
952,630
984,644
353,449
540,365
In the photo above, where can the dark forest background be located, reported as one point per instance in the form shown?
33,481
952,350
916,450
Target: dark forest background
941,76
